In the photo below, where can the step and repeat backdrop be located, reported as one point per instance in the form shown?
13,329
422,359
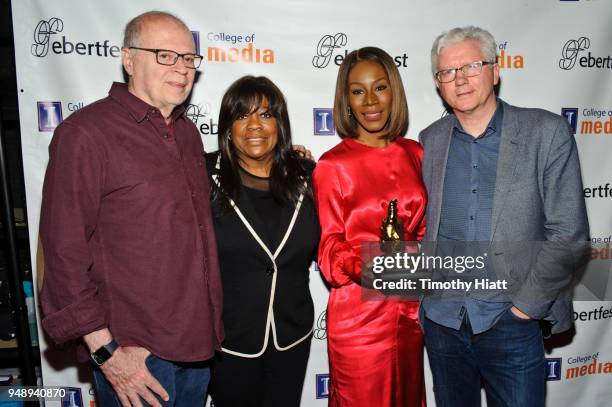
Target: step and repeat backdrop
553,54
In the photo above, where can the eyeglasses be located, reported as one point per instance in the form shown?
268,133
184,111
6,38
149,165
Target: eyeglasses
169,58
471,69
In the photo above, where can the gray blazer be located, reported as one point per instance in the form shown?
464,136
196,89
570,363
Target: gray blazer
538,198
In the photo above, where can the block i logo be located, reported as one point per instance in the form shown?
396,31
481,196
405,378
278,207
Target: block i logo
49,115
553,369
571,114
322,381
323,121
73,397
196,40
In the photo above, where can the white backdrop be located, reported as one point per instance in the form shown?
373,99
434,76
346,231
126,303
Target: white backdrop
549,52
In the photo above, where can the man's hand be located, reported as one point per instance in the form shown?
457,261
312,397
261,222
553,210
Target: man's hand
518,313
127,373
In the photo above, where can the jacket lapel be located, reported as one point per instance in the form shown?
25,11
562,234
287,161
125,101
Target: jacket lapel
438,172
271,238
509,148
286,215
250,213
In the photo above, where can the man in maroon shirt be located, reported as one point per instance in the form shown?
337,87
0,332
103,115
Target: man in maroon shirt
130,256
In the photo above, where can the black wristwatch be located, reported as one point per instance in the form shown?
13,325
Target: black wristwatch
104,353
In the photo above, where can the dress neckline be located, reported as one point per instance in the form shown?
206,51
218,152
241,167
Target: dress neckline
354,143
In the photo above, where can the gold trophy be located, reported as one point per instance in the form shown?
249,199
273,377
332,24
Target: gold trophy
391,230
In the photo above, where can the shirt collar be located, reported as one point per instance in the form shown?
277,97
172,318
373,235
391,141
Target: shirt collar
495,124
138,108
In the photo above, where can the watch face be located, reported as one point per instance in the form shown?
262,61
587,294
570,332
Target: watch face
100,356
97,360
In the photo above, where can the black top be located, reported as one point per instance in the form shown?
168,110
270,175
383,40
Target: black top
247,271
267,210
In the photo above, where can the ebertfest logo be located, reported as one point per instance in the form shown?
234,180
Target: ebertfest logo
571,51
42,42
202,111
320,331
325,49
329,43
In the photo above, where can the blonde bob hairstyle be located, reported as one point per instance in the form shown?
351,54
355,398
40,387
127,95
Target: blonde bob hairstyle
345,122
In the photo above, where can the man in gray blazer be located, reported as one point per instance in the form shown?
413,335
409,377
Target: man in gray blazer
509,176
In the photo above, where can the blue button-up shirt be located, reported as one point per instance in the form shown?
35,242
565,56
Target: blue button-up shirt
467,206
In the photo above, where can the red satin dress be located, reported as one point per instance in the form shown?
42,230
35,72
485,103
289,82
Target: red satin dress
375,347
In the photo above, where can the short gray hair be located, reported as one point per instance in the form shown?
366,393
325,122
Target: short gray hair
131,34
460,34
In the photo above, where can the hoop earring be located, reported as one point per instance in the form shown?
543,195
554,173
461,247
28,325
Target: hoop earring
229,136
350,114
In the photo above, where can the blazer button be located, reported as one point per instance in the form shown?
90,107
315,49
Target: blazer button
269,271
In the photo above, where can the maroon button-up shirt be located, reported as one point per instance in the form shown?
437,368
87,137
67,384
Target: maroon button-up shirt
127,232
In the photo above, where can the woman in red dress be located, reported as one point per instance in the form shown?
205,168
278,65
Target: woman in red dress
375,346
